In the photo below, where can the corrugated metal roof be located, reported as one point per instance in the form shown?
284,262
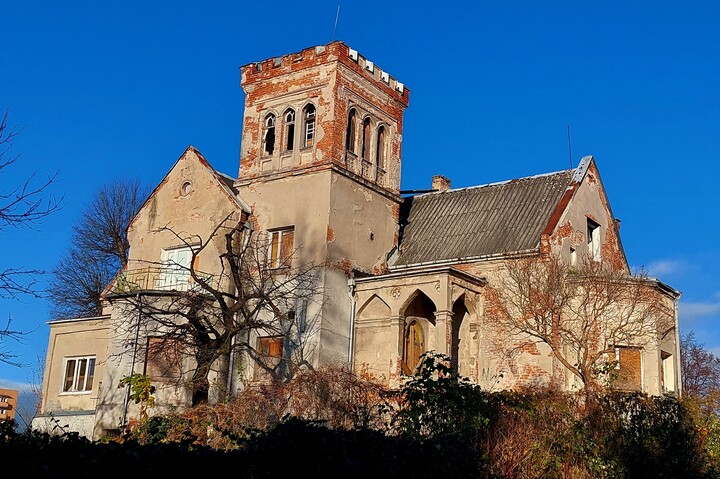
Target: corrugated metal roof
477,221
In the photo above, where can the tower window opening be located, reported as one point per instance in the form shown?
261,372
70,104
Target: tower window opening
380,149
309,126
269,137
289,130
350,134
365,139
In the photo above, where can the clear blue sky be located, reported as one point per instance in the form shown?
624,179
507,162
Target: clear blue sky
110,89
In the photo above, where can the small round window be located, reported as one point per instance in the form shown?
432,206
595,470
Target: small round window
186,188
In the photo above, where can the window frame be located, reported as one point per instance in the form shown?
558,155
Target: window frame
265,356
277,256
289,130
269,126
173,275
309,125
88,375
166,372
594,240
351,130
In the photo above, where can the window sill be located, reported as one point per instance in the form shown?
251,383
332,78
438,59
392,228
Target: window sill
75,393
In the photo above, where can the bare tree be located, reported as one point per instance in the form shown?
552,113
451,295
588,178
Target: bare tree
581,313
701,369
25,205
98,250
211,316
22,206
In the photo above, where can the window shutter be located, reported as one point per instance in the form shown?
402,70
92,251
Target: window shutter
286,248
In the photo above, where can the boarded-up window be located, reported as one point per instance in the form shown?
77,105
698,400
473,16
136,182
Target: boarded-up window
163,359
413,348
628,369
270,353
281,247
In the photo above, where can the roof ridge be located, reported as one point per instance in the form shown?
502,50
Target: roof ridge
498,183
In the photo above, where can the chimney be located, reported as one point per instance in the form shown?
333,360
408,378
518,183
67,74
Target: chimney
440,183
617,224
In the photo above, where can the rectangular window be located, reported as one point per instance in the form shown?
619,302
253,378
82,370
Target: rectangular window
281,247
628,369
163,358
175,269
593,240
79,374
270,352
668,370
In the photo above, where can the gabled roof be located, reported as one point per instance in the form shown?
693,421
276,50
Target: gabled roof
499,218
225,182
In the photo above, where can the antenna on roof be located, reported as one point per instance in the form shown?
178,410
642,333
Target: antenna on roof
337,15
569,147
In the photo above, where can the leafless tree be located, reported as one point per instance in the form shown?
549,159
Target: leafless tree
24,205
581,313
701,369
98,250
215,315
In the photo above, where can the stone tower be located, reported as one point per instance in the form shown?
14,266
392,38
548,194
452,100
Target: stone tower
320,167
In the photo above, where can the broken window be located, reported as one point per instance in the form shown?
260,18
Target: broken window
163,358
269,137
289,130
350,133
281,247
79,374
593,239
270,354
309,116
414,347
628,368
365,150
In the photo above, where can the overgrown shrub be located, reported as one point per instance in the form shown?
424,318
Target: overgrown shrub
331,422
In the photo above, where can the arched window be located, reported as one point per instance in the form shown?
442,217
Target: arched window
380,149
413,347
309,117
289,121
350,134
365,151
269,137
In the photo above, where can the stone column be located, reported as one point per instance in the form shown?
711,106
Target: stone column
443,331
397,328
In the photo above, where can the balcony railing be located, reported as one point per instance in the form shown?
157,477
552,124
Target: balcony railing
160,278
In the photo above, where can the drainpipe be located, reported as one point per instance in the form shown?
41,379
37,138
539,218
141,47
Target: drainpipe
132,363
677,347
351,291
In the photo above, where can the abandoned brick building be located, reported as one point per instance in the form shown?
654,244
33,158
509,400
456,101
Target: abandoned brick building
397,275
